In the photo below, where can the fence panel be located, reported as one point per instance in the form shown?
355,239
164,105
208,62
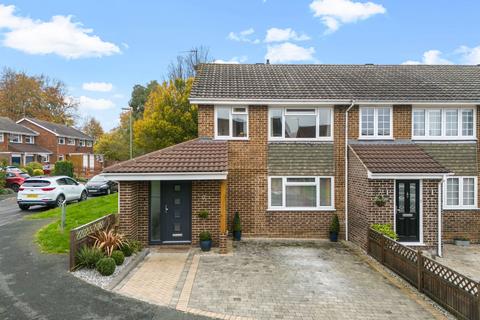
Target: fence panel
81,235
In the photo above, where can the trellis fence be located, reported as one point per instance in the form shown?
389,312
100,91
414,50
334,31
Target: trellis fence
455,292
81,235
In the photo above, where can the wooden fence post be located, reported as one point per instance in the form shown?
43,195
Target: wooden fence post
72,252
419,270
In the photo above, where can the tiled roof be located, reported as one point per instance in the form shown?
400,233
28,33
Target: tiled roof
401,83
8,125
397,158
61,130
25,147
460,158
315,159
198,155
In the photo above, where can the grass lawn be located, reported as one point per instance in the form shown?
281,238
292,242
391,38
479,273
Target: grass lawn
52,240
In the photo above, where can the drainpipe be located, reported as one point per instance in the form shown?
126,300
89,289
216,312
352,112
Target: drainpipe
439,227
346,169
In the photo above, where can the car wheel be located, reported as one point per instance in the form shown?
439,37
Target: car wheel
24,207
59,201
83,196
109,191
15,187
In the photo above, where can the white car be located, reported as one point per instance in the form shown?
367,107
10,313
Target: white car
49,191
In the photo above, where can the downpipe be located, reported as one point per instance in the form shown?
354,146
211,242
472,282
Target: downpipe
346,169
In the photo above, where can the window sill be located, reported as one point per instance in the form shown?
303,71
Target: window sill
232,138
301,209
375,138
460,208
460,139
417,244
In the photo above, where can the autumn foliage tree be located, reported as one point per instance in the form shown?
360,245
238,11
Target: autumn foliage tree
34,96
114,145
93,128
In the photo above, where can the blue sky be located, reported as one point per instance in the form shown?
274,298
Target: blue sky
100,49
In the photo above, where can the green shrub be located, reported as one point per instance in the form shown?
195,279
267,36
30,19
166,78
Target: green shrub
205,236
63,168
136,246
385,229
203,214
237,224
127,249
106,266
88,257
28,170
118,256
3,180
34,165
335,225
37,172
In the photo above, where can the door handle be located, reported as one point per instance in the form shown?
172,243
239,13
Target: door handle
166,209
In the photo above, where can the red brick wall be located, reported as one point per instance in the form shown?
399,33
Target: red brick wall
457,223
206,121
128,209
402,122
206,196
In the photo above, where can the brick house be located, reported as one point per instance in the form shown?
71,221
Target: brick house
66,143
289,146
18,144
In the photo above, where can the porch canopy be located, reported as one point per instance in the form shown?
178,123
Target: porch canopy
398,160
197,159
28,148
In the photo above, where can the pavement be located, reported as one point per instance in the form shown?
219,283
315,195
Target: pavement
38,286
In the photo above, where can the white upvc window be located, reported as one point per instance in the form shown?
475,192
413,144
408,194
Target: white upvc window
2,137
61,140
305,123
231,122
300,193
15,138
30,139
61,157
443,123
71,141
89,143
460,192
376,122
81,143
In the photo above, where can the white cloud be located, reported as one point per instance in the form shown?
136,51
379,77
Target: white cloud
97,86
243,36
87,103
289,52
234,60
58,36
469,55
287,34
334,13
430,57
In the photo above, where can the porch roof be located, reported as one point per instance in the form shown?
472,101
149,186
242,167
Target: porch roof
397,159
197,156
27,148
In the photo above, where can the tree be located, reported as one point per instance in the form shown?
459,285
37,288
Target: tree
139,98
93,128
115,144
168,118
35,96
184,66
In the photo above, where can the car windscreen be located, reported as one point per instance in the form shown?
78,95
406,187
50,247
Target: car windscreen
98,179
24,175
35,183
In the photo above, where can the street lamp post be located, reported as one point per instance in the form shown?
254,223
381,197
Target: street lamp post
130,130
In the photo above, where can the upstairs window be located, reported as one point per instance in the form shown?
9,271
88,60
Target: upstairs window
71,141
61,140
460,193
30,139
89,143
1,137
300,123
376,122
15,138
81,143
443,123
231,123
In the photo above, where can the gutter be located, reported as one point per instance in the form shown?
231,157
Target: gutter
346,169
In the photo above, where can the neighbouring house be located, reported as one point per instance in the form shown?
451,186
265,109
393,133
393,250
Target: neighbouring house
18,144
289,146
66,143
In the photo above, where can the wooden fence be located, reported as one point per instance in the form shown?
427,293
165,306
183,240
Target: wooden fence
81,235
455,292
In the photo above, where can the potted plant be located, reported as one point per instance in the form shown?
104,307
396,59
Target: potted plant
237,227
462,241
205,240
203,214
334,228
380,200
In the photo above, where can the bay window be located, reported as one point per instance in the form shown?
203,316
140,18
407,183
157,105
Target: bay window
231,122
460,193
443,123
376,122
300,193
300,123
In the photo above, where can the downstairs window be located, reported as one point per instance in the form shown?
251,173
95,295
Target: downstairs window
460,193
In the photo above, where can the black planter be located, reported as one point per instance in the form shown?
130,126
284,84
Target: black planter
206,245
237,235
334,236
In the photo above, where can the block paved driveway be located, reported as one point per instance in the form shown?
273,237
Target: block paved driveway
297,280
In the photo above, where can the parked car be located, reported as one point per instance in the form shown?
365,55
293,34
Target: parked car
15,179
101,185
12,169
50,191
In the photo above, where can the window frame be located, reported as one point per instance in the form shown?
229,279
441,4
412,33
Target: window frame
285,183
15,135
375,135
89,143
460,205
61,139
71,143
60,157
32,141
2,137
317,122
230,122
81,143
443,129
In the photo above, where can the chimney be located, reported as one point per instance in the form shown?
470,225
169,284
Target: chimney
268,61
